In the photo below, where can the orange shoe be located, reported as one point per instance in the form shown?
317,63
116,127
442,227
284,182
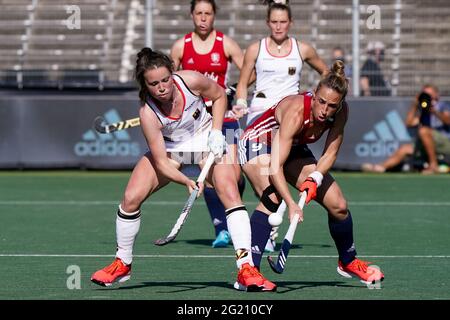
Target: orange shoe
360,269
251,280
115,272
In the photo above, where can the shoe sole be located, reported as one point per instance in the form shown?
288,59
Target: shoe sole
108,284
354,275
252,288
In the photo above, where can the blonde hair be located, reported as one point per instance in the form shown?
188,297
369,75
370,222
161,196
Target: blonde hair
335,79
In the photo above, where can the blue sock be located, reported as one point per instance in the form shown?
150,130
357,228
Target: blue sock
342,233
216,209
241,185
260,234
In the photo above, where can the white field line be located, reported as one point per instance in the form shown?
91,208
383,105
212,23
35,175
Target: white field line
201,203
182,256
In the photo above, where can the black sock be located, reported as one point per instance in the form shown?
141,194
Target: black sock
260,234
216,209
342,233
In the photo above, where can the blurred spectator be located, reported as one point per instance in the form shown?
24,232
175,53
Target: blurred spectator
372,80
431,139
339,54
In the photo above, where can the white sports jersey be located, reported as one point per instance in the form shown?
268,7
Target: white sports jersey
276,77
188,133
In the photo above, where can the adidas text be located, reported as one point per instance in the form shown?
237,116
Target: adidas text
107,148
376,149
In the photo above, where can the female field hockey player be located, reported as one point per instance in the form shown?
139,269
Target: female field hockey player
174,119
210,52
274,151
278,61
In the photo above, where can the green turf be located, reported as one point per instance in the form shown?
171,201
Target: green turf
57,219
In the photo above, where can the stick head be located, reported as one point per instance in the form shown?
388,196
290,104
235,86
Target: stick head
274,266
99,125
163,241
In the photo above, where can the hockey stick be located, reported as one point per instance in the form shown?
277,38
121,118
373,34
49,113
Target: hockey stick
188,205
279,266
102,127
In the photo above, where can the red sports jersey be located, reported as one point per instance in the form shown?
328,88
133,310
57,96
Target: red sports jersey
261,130
214,64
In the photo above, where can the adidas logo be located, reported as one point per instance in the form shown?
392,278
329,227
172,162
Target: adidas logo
190,61
216,222
255,250
385,137
114,144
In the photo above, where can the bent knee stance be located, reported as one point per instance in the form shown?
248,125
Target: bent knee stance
270,205
339,209
132,201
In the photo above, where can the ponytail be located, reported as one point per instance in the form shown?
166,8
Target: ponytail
336,79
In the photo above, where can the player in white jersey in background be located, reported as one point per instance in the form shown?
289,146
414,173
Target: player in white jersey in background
278,61
174,119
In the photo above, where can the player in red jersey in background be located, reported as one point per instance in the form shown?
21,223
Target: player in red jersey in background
210,52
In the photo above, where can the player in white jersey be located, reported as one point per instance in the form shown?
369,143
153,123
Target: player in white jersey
278,61
173,118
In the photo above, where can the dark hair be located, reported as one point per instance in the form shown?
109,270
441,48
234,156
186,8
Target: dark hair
149,59
194,3
277,5
336,79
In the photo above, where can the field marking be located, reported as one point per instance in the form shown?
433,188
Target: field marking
180,203
37,255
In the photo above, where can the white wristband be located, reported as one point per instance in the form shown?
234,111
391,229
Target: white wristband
317,176
241,102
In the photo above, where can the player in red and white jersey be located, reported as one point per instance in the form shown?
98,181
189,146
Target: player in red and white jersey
277,62
275,152
173,118
210,52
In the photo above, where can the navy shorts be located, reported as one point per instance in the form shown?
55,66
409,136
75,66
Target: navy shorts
232,131
250,149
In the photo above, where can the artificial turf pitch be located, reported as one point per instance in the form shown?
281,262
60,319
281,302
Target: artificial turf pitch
56,223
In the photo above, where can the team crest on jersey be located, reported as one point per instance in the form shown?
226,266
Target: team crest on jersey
196,114
292,70
215,58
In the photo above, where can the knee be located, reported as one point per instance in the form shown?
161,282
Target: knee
339,209
228,190
424,131
132,200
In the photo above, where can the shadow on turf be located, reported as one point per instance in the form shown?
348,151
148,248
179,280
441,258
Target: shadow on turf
283,286
207,242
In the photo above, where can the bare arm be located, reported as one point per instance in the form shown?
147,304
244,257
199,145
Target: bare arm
176,53
247,70
310,56
412,118
291,122
151,127
333,142
233,51
364,82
